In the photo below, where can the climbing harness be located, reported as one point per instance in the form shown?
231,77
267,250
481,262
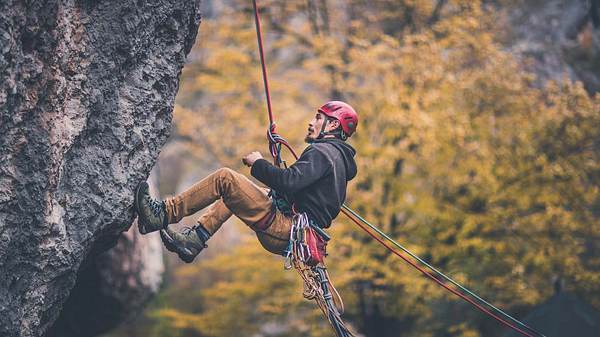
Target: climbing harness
282,204
311,268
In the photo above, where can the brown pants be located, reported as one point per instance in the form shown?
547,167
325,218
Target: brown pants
234,194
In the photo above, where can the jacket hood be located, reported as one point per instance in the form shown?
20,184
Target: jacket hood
347,152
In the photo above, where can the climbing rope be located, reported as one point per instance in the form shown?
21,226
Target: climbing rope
275,143
262,61
350,213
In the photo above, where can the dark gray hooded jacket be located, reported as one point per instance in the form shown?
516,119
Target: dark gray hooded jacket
317,181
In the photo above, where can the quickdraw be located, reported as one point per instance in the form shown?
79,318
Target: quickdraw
305,245
306,254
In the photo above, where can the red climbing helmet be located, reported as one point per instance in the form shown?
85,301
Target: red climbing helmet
344,113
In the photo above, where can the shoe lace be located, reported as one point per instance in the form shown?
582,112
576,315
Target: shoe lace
187,230
156,207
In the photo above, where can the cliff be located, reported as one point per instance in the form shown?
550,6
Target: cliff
86,97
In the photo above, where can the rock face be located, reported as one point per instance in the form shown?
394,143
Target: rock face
115,285
557,38
86,97
112,287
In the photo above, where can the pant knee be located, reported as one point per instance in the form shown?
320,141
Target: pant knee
226,173
226,177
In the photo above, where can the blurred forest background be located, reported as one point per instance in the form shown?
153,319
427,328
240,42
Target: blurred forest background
463,157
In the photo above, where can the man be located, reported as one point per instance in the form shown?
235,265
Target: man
315,184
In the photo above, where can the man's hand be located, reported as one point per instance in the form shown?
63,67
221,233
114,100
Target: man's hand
251,158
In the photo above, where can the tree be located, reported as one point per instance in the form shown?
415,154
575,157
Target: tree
461,158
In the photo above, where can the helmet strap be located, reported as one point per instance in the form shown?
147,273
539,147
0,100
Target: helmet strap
322,133
340,134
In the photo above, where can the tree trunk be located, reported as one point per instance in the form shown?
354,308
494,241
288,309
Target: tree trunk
86,97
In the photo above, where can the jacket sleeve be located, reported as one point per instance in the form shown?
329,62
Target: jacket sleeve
310,167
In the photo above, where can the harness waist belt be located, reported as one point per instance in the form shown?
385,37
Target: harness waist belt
319,231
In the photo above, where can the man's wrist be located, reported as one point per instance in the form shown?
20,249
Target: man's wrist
254,167
256,161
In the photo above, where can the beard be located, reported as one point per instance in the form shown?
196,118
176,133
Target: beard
309,137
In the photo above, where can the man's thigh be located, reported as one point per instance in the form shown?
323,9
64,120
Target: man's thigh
275,238
244,198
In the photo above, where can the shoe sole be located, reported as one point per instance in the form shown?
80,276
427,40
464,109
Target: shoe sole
141,224
184,254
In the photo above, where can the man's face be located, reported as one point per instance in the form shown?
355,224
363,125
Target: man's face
315,125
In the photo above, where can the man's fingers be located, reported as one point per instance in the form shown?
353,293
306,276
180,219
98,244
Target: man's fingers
251,158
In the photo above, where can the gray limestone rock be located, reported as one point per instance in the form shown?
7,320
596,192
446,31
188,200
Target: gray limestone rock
86,97
115,285
112,287
558,39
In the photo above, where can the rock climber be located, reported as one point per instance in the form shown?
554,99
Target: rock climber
314,184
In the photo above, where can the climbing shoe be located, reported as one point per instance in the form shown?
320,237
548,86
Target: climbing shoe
152,214
188,243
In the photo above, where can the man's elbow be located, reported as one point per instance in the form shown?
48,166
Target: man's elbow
288,188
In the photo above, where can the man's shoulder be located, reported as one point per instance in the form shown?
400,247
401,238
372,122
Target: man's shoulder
324,149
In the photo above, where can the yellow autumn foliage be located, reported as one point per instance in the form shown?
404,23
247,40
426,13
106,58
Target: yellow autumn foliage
461,159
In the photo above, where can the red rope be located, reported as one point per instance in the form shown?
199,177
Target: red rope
262,61
429,275
273,141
